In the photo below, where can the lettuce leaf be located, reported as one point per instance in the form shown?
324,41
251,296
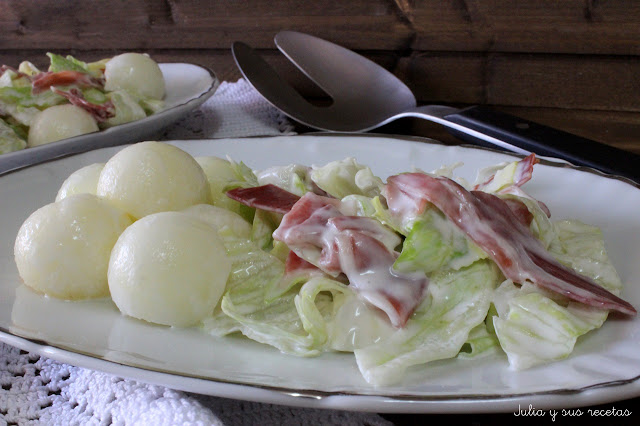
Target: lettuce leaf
9,139
481,342
536,326
457,302
22,96
245,306
127,108
434,243
293,178
69,63
347,177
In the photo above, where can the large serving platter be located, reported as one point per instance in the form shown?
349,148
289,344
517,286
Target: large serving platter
604,367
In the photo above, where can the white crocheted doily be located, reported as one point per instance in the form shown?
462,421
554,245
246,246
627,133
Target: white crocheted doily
38,390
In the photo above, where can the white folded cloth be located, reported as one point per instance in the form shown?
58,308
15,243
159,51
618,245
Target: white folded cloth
235,110
38,390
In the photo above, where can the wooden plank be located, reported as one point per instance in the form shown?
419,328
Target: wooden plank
544,26
139,24
444,77
558,81
585,82
541,26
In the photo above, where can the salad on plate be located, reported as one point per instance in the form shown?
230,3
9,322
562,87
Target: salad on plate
419,267
73,97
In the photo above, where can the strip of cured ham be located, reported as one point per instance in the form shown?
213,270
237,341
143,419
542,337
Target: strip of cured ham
45,80
492,225
316,230
100,112
266,197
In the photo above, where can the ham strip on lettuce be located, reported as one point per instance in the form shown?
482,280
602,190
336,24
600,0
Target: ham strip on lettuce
317,231
489,222
46,80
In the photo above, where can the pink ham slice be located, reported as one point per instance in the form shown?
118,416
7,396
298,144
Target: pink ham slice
361,248
491,224
296,266
45,80
368,265
266,197
100,112
321,236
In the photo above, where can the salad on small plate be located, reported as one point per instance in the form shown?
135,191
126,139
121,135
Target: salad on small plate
74,106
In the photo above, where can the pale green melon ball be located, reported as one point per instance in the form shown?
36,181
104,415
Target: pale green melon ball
220,173
221,218
152,177
60,122
136,73
63,248
82,181
168,268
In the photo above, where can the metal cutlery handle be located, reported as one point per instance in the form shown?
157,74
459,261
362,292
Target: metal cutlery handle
543,140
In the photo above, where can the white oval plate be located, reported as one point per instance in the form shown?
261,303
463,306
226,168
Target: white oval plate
604,367
187,87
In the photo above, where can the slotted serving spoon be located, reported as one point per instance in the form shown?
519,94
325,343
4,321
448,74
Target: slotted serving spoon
365,96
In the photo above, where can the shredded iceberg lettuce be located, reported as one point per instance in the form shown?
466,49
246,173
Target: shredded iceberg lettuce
458,301
469,310
127,108
9,140
246,307
293,178
347,177
69,63
536,327
435,243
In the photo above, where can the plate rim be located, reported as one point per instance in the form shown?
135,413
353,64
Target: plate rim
309,398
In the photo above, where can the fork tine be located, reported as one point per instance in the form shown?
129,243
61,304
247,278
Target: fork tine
261,75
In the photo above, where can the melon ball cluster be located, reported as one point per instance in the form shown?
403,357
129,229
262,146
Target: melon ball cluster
140,228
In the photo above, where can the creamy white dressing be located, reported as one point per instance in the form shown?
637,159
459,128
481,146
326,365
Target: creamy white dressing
361,248
403,207
356,324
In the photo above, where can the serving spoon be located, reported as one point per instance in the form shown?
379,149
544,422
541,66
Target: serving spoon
366,96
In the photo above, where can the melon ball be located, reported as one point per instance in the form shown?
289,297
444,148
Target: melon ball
220,173
63,248
152,177
136,73
82,181
221,218
60,122
168,268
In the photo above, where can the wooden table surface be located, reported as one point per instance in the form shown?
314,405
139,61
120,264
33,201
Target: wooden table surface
570,64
